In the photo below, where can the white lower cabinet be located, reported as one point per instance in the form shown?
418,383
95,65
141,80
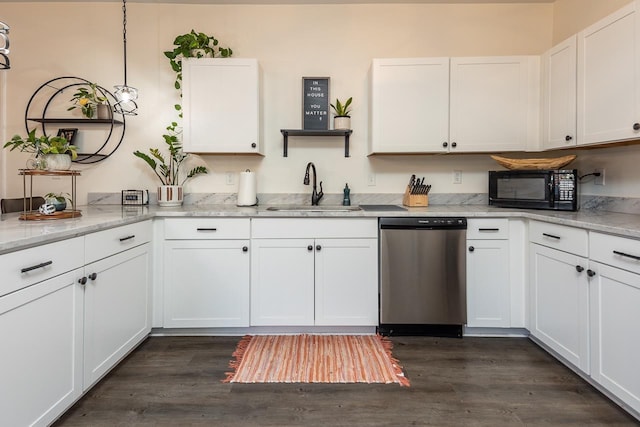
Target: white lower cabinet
206,272
117,309
559,303
41,357
303,273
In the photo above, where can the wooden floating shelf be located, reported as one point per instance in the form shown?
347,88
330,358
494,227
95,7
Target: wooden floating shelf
307,132
73,120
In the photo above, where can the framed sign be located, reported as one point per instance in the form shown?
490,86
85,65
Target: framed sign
68,134
315,103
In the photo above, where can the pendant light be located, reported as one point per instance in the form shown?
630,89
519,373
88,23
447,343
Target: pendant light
125,95
4,46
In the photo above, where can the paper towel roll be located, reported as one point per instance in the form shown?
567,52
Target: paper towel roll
247,192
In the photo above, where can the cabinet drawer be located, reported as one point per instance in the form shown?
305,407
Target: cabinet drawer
304,228
108,242
488,229
616,251
206,228
26,267
561,237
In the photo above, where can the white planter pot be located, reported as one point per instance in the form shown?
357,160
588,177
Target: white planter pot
57,162
170,195
342,122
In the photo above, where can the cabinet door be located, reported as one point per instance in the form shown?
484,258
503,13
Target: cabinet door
615,316
282,281
608,78
220,102
559,302
559,108
117,312
41,357
409,105
494,103
346,289
488,287
206,283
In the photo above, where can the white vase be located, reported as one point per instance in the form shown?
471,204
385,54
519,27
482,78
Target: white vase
342,122
170,195
57,162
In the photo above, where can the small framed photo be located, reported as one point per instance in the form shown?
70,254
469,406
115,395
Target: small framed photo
315,103
68,134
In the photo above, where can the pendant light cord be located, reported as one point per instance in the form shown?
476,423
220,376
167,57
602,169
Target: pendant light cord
124,37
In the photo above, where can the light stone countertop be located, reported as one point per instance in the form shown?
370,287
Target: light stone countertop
16,234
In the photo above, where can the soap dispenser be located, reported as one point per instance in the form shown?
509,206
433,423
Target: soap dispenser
346,201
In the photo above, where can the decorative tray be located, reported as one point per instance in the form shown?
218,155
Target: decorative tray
534,164
37,216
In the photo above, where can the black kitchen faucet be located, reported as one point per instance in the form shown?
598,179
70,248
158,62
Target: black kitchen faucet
315,196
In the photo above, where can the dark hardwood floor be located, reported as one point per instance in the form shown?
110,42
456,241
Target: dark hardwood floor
175,381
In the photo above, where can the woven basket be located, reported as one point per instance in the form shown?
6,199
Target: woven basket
534,164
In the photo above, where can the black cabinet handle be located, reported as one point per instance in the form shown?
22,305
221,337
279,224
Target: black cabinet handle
253,145
122,239
245,249
637,258
591,273
93,276
636,126
579,268
471,249
568,138
551,235
37,266
82,280
206,229
488,229
454,144
445,144
310,248
318,247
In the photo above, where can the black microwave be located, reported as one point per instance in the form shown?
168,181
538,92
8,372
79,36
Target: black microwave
534,189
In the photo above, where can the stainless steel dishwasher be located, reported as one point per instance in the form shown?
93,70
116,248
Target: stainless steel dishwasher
423,276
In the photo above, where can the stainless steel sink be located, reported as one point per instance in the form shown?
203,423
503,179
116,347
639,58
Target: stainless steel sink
309,208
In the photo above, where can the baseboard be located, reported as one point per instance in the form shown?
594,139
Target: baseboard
495,332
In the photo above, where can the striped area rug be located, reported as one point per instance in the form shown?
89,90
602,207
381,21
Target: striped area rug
315,359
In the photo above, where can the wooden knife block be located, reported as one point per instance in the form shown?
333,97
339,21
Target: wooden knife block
413,200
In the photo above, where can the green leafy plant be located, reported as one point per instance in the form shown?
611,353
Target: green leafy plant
169,171
42,145
340,109
87,100
193,45
59,197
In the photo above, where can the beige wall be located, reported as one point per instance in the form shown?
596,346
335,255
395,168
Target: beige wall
571,16
290,41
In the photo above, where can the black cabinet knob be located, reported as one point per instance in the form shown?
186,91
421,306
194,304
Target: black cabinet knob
591,273
579,268
318,247
471,249
310,248
445,144
245,249
93,276
636,126
82,280
253,145
568,138
454,144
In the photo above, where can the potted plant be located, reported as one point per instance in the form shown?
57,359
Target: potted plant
168,170
342,119
53,153
59,200
88,100
193,45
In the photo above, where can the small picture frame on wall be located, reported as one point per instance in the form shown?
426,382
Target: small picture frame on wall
69,134
315,103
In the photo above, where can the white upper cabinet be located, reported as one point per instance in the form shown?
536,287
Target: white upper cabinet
409,105
494,103
221,105
559,95
608,79
440,105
